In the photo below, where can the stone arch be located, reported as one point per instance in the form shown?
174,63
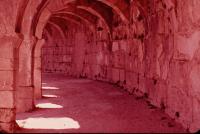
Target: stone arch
21,11
115,5
89,10
120,7
44,17
74,19
67,18
26,16
33,23
87,22
94,12
58,28
40,7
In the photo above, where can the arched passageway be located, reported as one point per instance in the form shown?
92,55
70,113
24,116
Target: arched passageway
149,48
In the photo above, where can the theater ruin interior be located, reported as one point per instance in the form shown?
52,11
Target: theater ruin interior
99,66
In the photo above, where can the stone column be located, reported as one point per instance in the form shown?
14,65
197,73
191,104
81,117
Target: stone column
25,93
37,73
8,66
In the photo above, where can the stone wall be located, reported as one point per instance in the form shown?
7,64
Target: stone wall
57,52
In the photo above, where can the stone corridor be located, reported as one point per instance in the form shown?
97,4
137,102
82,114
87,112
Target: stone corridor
81,105
147,48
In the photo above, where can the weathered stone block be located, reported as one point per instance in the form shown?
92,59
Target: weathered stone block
7,115
6,47
6,99
24,92
7,127
6,80
6,64
24,105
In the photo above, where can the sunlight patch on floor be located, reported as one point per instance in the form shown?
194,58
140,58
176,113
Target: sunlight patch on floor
50,96
46,87
49,123
48,105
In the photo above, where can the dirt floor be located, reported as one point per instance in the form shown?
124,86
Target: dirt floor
81,105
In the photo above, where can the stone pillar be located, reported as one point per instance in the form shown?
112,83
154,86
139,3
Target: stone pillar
25,93
8,66
37,73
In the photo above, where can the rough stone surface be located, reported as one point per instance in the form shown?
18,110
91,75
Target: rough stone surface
7,127
7,115
25,99
148,47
